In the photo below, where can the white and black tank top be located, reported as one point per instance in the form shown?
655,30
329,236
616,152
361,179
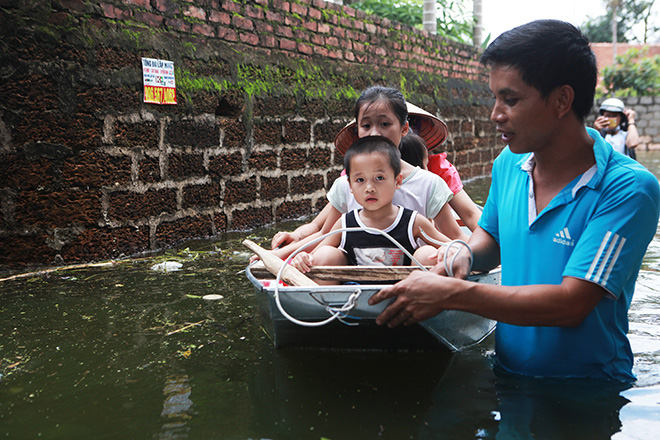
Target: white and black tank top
371,249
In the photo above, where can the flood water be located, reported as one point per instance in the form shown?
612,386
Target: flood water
128,352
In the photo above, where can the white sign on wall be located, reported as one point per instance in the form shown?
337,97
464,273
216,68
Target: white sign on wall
158,79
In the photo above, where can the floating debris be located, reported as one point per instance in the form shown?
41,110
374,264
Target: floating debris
167,266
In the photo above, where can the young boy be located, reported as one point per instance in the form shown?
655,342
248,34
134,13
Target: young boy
373,166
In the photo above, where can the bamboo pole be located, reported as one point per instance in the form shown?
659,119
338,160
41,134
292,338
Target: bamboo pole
57,269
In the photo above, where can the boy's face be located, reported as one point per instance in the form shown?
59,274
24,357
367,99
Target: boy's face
525,119
372,180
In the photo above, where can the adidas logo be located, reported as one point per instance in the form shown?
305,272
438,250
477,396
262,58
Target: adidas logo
563,237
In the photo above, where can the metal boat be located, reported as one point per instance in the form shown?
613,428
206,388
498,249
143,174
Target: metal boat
339,317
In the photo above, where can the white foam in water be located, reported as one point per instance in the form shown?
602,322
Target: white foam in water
167,266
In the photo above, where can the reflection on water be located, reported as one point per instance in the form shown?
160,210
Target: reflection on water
177,408
130,352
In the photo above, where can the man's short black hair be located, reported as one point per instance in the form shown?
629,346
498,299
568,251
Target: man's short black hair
549,54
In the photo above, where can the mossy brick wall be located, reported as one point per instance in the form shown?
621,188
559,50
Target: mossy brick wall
90,172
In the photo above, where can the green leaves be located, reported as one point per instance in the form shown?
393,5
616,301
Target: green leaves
453,21
633,74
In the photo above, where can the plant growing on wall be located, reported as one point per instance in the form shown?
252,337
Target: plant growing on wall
633,74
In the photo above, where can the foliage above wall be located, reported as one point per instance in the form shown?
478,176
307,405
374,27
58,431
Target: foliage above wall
633,74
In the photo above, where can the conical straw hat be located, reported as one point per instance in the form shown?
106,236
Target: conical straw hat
428,127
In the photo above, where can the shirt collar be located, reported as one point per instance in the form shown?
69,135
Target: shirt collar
592,177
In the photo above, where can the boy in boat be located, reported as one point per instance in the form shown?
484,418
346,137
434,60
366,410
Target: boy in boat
373,167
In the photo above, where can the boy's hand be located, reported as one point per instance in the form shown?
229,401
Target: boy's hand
303,262
282,238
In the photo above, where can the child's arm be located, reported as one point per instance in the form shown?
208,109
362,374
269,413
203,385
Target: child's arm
446,223
429,230
283,238
466,209
304,261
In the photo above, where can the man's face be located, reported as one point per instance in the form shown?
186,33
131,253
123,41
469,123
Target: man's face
524,118
614,120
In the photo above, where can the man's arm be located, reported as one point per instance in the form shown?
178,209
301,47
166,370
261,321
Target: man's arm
632,138
424,294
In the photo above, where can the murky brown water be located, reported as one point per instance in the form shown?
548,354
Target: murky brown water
128,352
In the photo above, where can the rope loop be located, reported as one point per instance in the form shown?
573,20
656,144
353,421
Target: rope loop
335,313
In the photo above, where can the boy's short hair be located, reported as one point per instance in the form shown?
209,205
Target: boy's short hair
374,144
549,54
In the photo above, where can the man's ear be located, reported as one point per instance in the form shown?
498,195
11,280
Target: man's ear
399,180
564,100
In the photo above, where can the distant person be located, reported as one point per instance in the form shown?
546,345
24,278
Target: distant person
617,125
568,218
373,166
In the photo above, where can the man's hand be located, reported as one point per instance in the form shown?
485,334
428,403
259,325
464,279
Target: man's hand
418,297
630,114
457,258
601,123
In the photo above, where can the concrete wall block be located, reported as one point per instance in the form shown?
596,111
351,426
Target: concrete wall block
128,205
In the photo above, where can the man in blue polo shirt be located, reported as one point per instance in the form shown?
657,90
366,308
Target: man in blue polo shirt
568,218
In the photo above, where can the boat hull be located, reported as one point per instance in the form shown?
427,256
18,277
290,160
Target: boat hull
453,330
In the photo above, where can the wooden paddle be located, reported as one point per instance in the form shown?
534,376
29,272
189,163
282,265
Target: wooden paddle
351,273
273,263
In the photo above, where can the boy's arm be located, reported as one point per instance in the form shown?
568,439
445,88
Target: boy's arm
304,261
332,216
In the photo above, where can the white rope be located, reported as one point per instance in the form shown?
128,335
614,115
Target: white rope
449,268
351,302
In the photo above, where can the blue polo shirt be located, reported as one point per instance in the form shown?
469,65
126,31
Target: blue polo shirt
597,229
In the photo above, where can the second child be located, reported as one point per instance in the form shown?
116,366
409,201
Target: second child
373,166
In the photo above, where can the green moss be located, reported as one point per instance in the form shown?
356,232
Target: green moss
187,82
189,45
192,20
402,85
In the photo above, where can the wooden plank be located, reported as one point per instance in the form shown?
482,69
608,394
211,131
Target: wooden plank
349,273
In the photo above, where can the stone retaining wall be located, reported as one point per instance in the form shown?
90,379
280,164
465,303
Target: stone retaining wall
89,172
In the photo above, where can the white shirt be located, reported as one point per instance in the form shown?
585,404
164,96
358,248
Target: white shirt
421,191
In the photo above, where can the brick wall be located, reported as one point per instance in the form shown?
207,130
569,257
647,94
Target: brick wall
90,172
605,51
